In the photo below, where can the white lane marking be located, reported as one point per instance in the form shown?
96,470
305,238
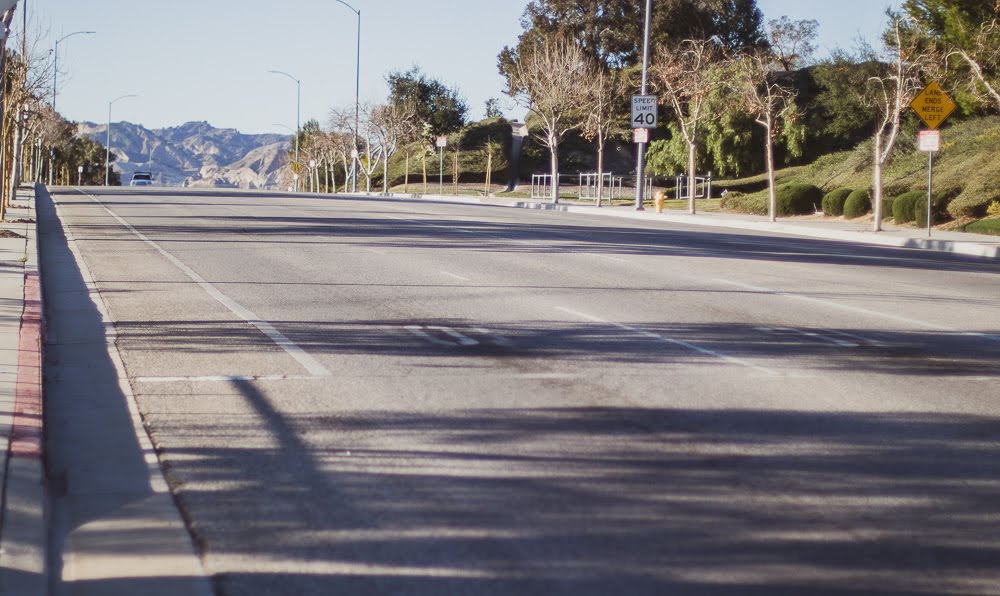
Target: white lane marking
670,340
419,332
452,275
301,356
494,337
462,339
862,339
224,378
858,309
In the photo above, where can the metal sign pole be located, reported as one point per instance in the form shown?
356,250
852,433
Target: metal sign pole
930,180
640,170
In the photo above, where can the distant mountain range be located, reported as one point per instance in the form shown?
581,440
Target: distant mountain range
194,154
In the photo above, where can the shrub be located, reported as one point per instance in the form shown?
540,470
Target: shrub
887,205
920,210
833,202
798,199
980,190
755,204
903,207
858,203
994,209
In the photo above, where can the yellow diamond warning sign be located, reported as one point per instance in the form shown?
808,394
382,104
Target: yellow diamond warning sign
933,105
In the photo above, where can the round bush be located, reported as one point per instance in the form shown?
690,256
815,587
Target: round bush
938,207
858,203
833,202
903,206
798,199
887,206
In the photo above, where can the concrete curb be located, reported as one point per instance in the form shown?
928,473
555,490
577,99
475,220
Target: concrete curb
892,239
24,534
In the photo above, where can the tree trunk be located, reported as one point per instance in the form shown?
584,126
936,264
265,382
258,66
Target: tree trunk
424,160
772,193
385,173
406,176
454,173
554,155
489,171
692,175
600,168
15,170
877,185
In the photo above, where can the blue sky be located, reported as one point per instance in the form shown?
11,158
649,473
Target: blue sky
208,59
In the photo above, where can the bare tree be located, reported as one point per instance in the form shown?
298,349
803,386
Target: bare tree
982,53
686,75
605,115
552,79
759,90
393,125
368,148
792,42
889,94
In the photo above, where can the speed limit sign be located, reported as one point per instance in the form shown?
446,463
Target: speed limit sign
644,111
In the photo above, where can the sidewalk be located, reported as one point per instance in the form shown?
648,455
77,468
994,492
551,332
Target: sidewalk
23,518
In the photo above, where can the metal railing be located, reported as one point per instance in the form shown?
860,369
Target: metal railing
589,181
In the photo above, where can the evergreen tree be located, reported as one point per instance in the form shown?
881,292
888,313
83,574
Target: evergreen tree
437,105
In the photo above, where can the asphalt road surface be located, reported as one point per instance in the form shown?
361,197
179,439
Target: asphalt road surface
408,397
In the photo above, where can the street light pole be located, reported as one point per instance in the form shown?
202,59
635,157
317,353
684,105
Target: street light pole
298,118
55,80
107,146
357,97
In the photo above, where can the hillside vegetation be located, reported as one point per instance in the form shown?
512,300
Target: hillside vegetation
966,172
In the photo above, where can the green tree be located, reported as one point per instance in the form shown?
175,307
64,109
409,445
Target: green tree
967,34
611,31
439,106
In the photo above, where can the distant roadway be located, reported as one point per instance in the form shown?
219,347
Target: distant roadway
371,396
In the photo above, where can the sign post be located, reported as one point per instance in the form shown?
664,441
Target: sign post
929,141
442,142
640,168
933,106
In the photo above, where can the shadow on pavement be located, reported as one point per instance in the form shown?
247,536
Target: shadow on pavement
593,501
105,514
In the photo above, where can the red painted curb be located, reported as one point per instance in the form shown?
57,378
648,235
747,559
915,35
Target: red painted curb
26,430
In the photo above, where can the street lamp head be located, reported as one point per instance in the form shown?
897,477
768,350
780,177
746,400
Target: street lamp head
355,10
117,99
285,74
67,36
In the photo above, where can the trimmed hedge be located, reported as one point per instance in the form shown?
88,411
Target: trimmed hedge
798,199
887,206
938,207
833,202
904,206
858,203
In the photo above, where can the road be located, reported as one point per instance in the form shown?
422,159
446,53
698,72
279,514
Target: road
401,397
